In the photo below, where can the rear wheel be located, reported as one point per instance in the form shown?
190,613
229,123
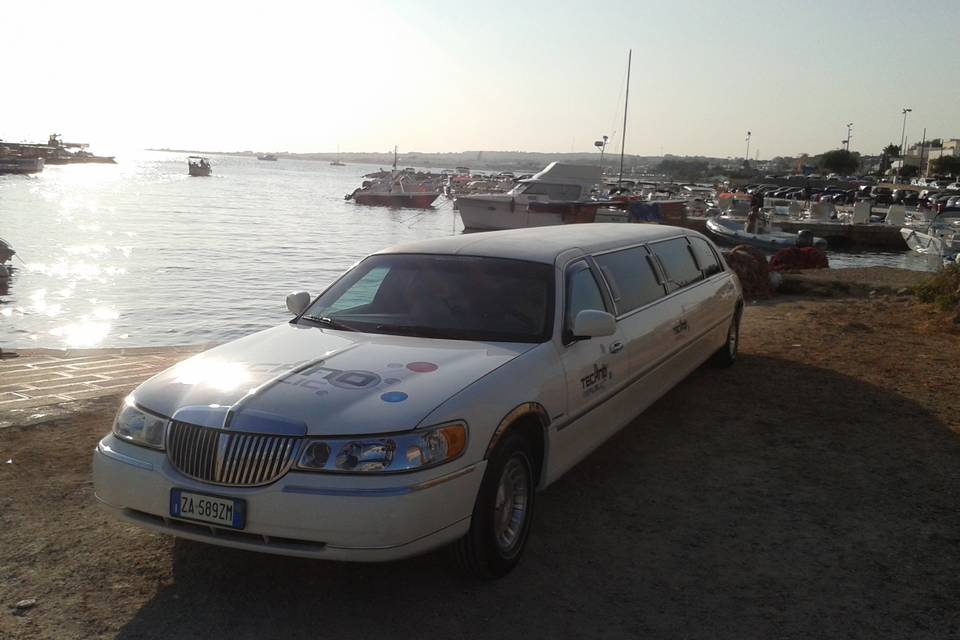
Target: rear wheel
727,354
502,513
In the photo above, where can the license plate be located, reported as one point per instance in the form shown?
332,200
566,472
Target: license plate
227,512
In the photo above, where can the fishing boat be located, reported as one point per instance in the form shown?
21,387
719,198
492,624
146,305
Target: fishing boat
398,189
199,166
269,157
337,162
731,231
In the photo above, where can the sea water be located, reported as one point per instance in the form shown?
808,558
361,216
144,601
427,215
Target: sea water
141,254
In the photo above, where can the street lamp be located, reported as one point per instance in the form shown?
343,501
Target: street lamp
602,145
746,158
849,127
903,132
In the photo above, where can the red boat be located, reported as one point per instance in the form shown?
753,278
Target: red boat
395,194
399,190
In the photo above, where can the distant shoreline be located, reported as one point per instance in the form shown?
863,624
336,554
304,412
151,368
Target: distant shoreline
522,160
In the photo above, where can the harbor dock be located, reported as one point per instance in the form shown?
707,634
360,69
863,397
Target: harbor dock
882,237
861,236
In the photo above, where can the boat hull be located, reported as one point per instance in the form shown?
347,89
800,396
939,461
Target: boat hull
730,232
487,214
928,244
21,165
397,200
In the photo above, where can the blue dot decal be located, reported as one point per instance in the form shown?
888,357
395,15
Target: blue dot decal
394,396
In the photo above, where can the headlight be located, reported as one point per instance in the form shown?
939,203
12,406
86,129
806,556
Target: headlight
392,453
139,427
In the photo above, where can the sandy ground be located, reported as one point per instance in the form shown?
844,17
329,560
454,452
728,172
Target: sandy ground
809,492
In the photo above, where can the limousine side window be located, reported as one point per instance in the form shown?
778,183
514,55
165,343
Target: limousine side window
631,277
583,292
677,261
705,256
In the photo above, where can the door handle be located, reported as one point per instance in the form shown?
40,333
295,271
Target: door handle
616,347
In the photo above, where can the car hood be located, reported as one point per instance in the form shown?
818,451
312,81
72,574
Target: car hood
328,382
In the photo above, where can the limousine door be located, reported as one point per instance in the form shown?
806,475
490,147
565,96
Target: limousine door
594,368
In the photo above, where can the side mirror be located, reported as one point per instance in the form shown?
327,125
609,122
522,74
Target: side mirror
297,302
591,323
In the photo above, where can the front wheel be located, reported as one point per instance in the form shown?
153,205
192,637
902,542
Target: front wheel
502,513
727,354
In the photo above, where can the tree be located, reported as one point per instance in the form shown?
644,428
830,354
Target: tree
909,171
688,168
891,150
840,161
946,165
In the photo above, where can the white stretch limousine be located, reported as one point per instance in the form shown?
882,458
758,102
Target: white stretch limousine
424,397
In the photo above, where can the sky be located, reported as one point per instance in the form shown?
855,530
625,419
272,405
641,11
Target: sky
493,75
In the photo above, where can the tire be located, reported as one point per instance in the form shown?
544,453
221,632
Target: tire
494,544
727,354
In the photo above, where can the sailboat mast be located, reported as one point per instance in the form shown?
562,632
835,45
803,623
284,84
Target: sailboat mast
626,104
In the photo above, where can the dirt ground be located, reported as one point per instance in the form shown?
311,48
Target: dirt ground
808,492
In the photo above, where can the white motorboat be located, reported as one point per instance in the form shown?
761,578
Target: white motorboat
731,231
568,183
939,239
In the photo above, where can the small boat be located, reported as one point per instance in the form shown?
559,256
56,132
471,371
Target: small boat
397,189
269,157
337,162
731,231
199,166
939,239
6,251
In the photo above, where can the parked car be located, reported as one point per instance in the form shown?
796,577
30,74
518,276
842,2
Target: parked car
881,195
904,196
424,397
939,202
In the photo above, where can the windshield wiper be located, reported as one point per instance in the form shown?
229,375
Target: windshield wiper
329,322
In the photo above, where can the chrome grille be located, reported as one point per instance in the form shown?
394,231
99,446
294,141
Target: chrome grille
228,457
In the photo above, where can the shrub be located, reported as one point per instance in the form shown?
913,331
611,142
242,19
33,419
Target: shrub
943,289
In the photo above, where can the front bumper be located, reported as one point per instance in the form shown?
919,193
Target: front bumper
334,517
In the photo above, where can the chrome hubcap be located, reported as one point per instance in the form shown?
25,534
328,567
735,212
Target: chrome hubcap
511,506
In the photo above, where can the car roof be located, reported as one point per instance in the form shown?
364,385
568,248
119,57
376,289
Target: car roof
542,244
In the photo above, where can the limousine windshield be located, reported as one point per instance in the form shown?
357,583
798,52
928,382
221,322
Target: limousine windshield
441,296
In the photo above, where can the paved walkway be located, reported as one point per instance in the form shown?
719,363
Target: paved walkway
41,378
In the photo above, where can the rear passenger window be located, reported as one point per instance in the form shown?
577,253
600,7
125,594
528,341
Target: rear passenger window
583,292
677,261
631,278
705,256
